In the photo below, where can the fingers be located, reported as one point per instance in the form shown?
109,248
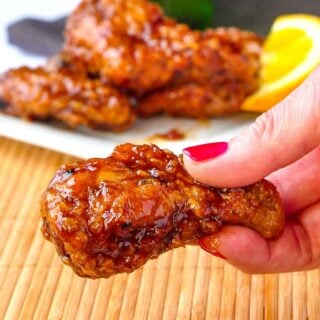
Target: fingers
277,138
298,248
298,183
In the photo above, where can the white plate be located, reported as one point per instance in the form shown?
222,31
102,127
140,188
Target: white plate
88,143
85,143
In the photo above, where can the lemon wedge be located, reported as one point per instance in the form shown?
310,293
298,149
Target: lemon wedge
290,53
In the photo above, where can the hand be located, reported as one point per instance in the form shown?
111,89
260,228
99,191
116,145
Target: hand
284,146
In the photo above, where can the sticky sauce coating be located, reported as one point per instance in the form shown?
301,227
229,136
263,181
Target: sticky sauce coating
173,134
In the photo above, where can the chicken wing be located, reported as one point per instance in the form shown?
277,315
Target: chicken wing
64,95
193,101
218,83
111,215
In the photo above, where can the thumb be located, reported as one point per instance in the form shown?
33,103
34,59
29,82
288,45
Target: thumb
296,249
276,139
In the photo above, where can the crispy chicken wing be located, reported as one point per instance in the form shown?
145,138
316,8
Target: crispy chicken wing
64,95
124,42
218,83
111,215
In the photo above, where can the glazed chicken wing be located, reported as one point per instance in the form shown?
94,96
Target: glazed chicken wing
218,83
64,95
111,215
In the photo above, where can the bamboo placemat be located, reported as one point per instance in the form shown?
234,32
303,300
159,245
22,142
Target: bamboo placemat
183,284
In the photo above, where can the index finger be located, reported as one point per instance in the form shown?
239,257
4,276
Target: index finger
278,138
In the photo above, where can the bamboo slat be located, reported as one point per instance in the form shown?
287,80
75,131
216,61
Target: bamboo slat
183,284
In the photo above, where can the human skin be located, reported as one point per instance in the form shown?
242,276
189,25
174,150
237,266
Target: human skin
283,145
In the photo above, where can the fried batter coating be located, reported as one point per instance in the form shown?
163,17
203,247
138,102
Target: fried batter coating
62,94
133,45
111,215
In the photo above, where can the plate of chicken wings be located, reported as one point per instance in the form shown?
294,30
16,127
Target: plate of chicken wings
128,73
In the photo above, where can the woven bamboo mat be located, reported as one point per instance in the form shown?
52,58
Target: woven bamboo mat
184,284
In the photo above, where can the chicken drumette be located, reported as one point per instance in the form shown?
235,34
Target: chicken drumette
111,215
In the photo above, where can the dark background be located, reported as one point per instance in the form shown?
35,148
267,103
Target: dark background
45,38
257,15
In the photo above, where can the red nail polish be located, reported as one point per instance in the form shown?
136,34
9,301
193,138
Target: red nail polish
210,245
206,151
214,253
219,255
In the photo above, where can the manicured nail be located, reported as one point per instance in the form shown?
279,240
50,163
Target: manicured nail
218,255
206,151
210,245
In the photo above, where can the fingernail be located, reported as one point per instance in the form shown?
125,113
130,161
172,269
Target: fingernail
206,151
214,253
210,245
219,255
